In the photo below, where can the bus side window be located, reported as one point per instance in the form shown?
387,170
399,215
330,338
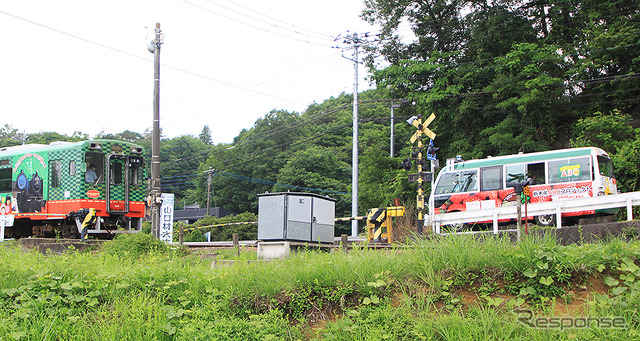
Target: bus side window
535,171
578,169
491,178
516,173
469,182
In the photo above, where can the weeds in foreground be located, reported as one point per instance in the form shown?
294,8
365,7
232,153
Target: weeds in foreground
145,292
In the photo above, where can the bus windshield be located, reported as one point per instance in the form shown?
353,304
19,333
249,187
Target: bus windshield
605,165
457,182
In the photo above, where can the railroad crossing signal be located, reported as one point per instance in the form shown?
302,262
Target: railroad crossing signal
416,121
422,128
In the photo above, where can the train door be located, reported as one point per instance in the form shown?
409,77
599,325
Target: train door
117,188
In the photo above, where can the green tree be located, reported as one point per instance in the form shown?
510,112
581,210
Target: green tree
127,135
613,133
9,136
205,135
254,159
48,137
507,76
318,170
181,160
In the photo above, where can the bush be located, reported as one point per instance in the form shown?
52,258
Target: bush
134,245
194,236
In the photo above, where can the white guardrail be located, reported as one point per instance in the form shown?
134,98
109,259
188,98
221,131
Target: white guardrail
542,208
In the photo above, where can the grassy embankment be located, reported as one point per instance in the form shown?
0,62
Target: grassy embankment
444,289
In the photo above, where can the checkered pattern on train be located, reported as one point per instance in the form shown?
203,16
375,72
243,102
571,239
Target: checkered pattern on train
116,191
69,158
76,186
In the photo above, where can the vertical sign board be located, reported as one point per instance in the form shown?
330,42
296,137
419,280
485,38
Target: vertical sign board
166,218
5,220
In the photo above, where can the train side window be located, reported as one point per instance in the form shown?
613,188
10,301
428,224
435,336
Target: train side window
491,178
72,168
56,173
5,180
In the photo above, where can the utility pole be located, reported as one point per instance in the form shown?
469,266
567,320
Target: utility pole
209,187
154,47
354,162
392,106
356,41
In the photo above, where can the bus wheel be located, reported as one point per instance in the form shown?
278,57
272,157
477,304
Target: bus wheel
455,228
546,220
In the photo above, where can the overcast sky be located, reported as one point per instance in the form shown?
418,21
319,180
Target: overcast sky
83,65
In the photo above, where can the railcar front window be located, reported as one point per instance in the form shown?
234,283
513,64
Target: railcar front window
96,159
116,173
135,171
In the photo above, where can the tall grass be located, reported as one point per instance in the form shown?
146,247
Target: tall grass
152,293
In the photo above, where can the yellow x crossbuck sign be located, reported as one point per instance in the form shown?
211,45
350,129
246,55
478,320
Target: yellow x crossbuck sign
422,128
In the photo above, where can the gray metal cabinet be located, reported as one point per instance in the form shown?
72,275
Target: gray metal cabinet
303,217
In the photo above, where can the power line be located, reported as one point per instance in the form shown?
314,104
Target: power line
252,26
296,27
148,60
325,37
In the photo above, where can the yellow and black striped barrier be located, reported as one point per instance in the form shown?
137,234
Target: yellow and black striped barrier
379,227
379,221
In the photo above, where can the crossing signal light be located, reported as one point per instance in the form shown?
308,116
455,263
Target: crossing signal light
406,164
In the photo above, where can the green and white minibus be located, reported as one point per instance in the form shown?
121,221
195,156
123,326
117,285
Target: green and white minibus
553,175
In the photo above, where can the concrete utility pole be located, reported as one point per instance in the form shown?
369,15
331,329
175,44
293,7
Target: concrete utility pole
354,176
392,106
154,47
356,41
209,188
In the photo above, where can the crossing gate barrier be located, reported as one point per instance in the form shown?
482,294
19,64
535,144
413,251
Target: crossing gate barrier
379,226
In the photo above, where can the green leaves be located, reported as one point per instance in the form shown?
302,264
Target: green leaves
546,280
373,299
531,273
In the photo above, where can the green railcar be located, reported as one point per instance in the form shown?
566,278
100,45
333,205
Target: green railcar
49,189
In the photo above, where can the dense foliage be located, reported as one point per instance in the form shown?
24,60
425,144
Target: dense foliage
507,76
449,288
501,76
